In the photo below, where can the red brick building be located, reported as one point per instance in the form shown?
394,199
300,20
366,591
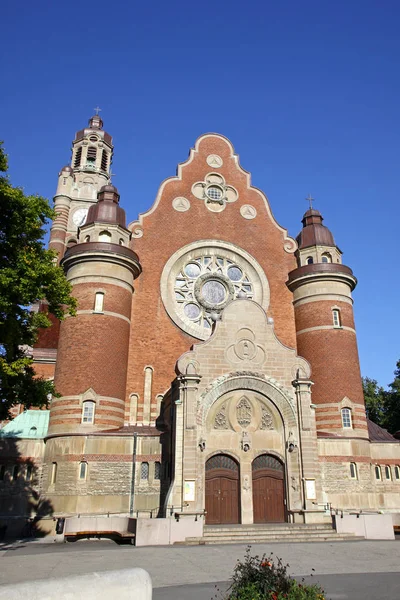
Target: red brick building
213,364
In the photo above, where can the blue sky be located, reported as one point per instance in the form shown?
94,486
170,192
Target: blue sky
307,91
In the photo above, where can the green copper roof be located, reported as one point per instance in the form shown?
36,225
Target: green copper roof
31,424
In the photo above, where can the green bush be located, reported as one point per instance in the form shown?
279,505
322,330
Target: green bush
266,578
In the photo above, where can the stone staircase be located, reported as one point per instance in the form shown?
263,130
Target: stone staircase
277,532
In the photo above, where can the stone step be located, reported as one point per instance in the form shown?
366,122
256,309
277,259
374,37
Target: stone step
244,529
332,537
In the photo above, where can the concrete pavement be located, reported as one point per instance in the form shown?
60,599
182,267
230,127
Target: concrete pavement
198,566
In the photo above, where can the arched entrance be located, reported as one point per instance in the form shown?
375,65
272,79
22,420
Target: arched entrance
268,490
222,490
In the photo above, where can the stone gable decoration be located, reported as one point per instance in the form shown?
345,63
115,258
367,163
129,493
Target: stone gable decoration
245,349
215,192
244,412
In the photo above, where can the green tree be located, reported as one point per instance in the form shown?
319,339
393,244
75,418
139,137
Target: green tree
375,401
28,274
392,403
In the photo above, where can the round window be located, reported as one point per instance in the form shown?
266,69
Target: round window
214,192
214,291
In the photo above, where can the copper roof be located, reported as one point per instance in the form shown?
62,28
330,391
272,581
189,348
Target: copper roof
313,232
378,434
106,209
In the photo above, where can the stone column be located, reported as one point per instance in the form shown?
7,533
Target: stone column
308,447
186,443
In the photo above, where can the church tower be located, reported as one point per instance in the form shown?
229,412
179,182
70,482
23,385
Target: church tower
325,330
93,346
80,182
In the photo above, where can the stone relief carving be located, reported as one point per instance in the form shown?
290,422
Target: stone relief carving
221,421
181,204
248,212
245,348
246,483
215,161
244,412
266,419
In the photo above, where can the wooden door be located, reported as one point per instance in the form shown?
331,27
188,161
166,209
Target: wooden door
268,490
222,490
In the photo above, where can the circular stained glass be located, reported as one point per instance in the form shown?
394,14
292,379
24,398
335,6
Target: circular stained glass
213,291
234,274
214,192
192,310
192,270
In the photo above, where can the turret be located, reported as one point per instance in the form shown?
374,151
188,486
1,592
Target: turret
325,330
93,346
80,182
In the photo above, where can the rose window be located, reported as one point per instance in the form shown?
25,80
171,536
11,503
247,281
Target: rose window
206,284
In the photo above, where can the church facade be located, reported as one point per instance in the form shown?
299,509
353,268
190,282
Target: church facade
212,367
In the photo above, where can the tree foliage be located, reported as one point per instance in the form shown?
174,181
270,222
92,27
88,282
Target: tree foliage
383,406
28,274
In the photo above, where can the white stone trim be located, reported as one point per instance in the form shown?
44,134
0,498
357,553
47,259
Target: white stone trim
322,297
103,312
321,327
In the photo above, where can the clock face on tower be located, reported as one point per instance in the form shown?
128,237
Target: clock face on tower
79,216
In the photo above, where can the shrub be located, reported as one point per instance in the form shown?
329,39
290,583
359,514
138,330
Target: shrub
266,578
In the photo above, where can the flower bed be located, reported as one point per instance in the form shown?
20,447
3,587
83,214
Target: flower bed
266,578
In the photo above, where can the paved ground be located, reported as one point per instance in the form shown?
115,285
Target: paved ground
356,570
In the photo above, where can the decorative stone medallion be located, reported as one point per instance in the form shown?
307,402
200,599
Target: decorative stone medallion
266,419
215,161
181,204
220,421
248,212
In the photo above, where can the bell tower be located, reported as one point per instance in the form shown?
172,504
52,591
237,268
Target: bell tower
80,182
325,329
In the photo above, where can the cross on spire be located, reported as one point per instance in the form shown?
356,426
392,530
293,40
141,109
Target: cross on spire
310,200
97,110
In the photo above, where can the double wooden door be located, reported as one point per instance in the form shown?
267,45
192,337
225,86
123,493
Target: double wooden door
268,490
222,490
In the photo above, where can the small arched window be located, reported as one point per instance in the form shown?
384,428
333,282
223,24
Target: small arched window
2,472
29,471
326,257
397,472
144,471
78,157
353,471
310,260
82,470
53,476
346,418
99,302
88,411
104,236
33,431
336,317
91,154
15,472
157,470
388,474
71,243
121,242
378,474
104,160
